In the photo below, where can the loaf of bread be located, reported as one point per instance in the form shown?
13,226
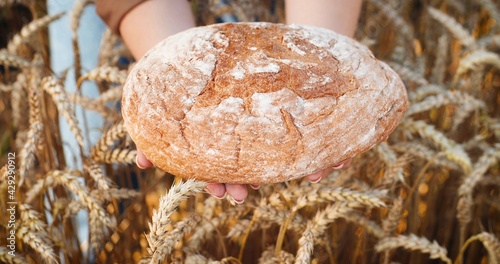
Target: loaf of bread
259,102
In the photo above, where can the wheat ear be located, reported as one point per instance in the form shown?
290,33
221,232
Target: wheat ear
475,59
5,257
420,151
490,42
104,73
490,242
414,243
370,226
28,30
94,105
97,174
112,94
98,219
317,226
451,24
35,127
106,55
452,150
168,204
166,244
492,8
75,23
408,74
403,28
442,57
424,91
442,99
102,150
114,193
33,232
56,90
18,84
11,60
209,225
268,257
465,191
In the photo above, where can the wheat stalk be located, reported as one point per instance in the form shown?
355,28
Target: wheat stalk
97,174
403,28
492,8
56,90
475,59
28,30
35,127
306,245
453,151
445,98
419,150
98,219
490,42
112,94
168,204
465,191
424,91
442,56
102,149
390,224
95,105
370,226
166,244
490,242
408,74
17,99
75,23
457,30
414,243
209,225
33,232
106,55
18,84
11,60
104,73
316,227
15,258
114,193
268,257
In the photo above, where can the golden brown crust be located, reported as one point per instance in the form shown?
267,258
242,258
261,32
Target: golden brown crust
259,102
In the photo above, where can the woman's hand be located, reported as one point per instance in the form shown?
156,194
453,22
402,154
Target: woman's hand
238,192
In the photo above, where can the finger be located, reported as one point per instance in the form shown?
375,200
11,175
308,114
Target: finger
238,192
141,160
217,190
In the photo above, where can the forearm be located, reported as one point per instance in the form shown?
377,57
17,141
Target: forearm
338,15
152,21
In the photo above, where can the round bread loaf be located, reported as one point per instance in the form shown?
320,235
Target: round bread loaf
259,102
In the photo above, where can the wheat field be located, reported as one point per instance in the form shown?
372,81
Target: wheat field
429,194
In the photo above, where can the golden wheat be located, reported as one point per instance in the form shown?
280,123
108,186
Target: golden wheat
161,216
412,242
456,29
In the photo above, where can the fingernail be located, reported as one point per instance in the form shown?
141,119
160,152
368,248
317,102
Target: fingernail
216,196
237,201
315,180
139,164
255,186
338,167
